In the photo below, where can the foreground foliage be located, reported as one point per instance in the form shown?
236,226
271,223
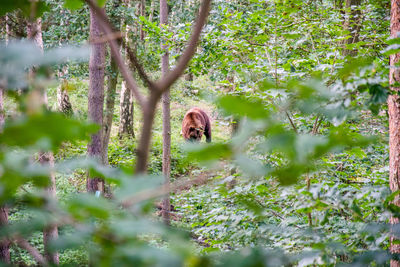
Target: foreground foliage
304,180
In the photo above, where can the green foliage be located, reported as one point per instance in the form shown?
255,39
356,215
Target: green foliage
303,181
27,7
73,4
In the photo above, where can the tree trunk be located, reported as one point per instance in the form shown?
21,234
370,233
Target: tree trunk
152,7
126,112
394,122
4,244
126,107
352,24
96,99
112,81
34,31
64,105
50,233
142,13
166,159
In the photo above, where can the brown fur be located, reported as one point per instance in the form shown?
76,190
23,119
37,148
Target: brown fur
196,123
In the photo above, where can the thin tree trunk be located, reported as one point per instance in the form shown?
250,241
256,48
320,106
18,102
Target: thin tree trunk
4,244
50,233
352,24
126,107
394,123
34,31
142,13
7,30
112,81
96,99
166,159
152,7
126,110
64,105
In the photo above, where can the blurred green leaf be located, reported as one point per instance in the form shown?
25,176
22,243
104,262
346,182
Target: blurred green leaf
241,106
47,131
73,4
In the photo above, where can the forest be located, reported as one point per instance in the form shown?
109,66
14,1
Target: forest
238,133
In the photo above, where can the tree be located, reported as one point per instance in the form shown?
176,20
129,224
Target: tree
126,98
142,13
34,32
112,80
64,105
96,97
394,121
166,158
4,244
352,24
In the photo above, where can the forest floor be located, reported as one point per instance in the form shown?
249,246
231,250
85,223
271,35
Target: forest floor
212,202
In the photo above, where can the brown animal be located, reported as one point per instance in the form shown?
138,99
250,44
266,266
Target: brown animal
196,123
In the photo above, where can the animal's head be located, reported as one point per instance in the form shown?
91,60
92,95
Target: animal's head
195,133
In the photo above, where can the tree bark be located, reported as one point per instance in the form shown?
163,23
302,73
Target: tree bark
96,99
4,244
126,110
394,122
352,24
142,13
50,233
126,107
112,81
152,7
64,105
34,31
166,159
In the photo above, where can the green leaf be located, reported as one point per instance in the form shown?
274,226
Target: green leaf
241,106
212,152
47,131
11,5
26,6
101,3
73,4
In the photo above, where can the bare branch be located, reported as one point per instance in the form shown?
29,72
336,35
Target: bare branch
291,122
132,57
106,38
165,82
22,243
125,72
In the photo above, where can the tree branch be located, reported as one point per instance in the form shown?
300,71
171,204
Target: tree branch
125,72
132,57
165,82
291,122
22,243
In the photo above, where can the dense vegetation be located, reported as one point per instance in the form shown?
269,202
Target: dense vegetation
298,169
